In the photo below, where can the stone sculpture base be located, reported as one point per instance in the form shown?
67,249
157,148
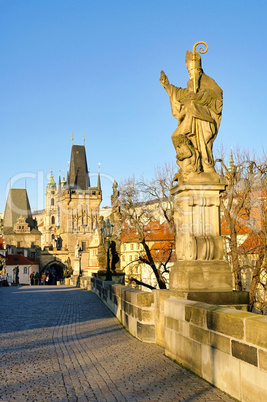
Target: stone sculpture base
199,245
234,299
76,266
204,276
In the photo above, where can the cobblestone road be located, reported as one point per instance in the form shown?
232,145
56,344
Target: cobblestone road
62,344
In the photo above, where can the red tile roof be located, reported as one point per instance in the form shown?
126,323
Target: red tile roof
19,259
154,231
161,251
252,244
241,228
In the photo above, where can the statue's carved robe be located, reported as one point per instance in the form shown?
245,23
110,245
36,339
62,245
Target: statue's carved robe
206,107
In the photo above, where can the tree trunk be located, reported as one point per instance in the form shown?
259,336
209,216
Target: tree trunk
161,283
234,255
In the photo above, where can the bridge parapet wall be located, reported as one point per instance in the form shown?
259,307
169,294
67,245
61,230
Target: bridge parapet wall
225,346
133,308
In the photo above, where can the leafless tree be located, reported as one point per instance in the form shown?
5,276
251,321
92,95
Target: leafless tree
142,204
245,212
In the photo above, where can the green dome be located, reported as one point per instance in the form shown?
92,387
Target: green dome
51,183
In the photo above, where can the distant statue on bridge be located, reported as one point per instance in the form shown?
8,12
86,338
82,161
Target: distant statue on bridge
77,252
16,275
198,109
59,242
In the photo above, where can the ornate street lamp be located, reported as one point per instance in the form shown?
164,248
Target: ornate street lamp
107,231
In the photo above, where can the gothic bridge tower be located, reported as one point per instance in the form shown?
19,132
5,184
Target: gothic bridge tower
78,204
71,217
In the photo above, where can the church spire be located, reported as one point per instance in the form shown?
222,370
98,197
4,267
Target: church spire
63,182
231,162
98,179
59,182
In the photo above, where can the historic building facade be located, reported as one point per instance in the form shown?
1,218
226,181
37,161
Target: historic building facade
71,215
19,227
66,232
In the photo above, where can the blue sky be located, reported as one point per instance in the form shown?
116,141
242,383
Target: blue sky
92,67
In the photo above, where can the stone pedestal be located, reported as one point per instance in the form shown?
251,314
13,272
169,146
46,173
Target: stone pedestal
76,266
201,276
199,245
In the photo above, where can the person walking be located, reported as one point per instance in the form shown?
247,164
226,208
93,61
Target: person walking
43,278
36,278
32,278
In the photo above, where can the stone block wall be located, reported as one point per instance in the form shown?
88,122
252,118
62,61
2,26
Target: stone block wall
133,308
85,282
226,347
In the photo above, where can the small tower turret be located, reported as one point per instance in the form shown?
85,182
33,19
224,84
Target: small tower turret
59,182
51,214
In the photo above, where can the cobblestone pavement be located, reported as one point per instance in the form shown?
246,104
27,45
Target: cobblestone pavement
63,344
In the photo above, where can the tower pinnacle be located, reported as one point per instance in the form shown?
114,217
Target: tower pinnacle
231,162
98,179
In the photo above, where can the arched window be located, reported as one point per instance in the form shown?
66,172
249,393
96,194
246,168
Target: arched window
52,201
53,220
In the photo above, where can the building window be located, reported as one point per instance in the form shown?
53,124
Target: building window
130,258
18,243
25,270
84,246
131,246
52,201
53,220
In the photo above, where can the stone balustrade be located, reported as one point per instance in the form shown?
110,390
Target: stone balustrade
133,308
225,346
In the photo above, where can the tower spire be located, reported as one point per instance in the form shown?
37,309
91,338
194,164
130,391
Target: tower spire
59,181
231,162
78,172
98,179
68,174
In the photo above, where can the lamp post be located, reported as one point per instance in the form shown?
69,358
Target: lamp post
107,230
